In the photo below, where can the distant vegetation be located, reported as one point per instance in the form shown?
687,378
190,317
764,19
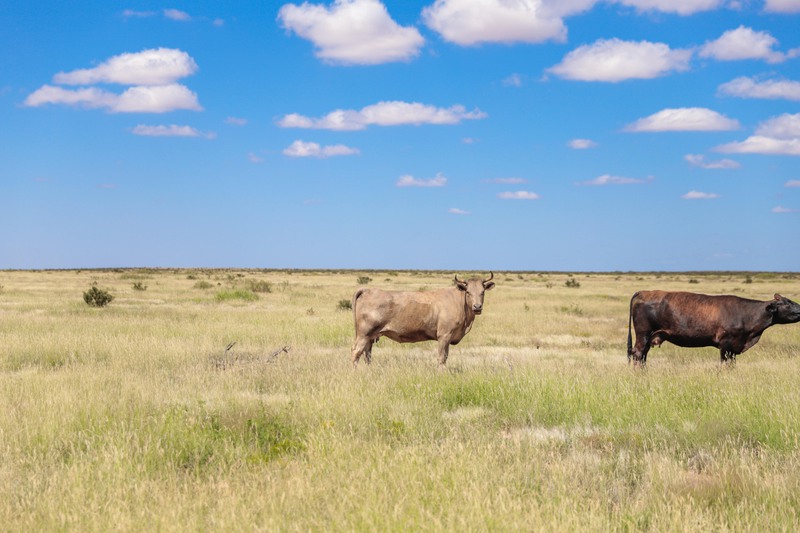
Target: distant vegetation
96,297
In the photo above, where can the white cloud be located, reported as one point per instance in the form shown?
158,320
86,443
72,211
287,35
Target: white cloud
758,144
780,210
311,149
131,13
146,99
784,126
697,195
457,211
699,160
681,7
254,158
782,6
177,14
777,136
518,195
507,181
515,80
383,114
745,87
160,66
472,22
410,181
236,121
614,60
684,119
581,144
792,183
743,43
352,32
170,131
608,179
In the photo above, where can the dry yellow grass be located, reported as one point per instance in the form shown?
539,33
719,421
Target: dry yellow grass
126,418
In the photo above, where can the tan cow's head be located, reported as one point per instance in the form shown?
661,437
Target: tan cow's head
474,289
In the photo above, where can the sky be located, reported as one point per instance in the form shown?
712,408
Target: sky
572,135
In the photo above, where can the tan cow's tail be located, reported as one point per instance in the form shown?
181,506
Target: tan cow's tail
357,294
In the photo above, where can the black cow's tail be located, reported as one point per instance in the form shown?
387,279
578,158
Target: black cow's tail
630,319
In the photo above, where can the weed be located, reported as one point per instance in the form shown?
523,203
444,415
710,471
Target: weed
363,280
572,283
261,286
96,297
202,285
138,286
236,294
344,305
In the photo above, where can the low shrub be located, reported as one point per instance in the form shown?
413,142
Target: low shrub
96,297
236,294
363,280
572,283
344,305
138,286
260,286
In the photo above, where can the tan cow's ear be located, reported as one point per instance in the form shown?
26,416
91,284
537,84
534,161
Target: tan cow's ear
489,285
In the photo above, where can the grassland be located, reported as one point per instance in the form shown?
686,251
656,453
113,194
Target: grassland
134,417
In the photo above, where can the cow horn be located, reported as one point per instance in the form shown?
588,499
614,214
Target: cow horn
458,281
491,275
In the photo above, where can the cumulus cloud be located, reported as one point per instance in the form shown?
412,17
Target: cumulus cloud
782,6
745,87
169,131
697,195
152,75
160,66
614,60
608,179
311,149
140,99
743,43
699,160
457,211
684,119
792,183
472,22
410,181
518,195
680,7
777,136
581,144
352,32
383,114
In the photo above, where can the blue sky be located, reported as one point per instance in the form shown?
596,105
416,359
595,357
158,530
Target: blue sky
431,134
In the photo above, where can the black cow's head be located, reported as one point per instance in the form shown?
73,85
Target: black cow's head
784,311
474,289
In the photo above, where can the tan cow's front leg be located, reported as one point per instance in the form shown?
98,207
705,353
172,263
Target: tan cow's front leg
444,350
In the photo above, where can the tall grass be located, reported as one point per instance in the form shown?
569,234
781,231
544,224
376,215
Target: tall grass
118,418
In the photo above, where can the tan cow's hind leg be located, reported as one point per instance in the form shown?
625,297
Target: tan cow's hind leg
361,345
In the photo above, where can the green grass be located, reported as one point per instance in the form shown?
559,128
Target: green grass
120,419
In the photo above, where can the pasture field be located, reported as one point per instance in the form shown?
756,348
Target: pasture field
133,417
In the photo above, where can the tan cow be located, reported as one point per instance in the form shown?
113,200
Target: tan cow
444,315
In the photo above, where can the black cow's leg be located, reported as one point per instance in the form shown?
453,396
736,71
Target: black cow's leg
641,348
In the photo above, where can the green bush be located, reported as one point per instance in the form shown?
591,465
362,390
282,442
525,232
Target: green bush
363,280
572,283
202,285
236,294
97,297
138,286
344,305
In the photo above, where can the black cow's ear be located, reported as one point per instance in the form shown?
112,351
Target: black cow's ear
778,296
772,306
489,285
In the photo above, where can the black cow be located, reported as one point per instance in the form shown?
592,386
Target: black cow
730,323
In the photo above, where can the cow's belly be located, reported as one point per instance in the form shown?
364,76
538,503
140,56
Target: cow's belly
406,336
688,341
